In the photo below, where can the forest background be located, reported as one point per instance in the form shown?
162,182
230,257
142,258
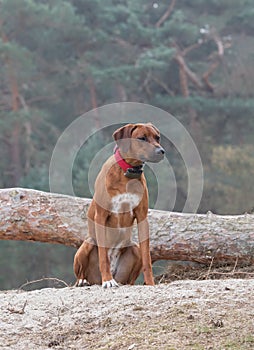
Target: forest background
62,58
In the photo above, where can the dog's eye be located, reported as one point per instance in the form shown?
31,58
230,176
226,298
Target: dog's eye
142,138
157,138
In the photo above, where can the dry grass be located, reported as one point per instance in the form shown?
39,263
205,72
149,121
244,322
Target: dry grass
177,272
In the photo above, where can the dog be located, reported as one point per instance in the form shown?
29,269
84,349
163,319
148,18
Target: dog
108,256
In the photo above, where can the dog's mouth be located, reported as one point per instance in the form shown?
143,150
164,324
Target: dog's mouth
156,159
152,158
155,156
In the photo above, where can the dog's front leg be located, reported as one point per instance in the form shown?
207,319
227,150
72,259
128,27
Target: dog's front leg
144,242
104,263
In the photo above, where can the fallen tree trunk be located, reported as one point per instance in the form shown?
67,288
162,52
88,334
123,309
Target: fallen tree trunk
53,218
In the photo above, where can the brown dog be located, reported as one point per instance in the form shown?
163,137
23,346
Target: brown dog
108,255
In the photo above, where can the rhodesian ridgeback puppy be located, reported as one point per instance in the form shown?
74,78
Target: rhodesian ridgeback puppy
108,255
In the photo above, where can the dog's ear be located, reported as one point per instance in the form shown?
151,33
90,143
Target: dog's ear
123,133
154,127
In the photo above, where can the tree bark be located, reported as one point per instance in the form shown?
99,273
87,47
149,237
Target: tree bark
166,14
93,97
15,101
54,218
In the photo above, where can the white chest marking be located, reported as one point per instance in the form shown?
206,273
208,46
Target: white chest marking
125,202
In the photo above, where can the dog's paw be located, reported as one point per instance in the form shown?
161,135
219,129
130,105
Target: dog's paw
110,284
82,283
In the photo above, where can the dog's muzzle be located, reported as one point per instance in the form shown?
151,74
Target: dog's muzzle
156,156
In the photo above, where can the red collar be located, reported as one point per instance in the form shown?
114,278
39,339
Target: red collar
121,162
130,171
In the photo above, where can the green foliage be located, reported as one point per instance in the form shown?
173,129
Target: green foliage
233,169
82,165
37,177
244,18
22,262
155,59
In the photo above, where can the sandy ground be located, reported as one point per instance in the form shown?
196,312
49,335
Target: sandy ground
211,314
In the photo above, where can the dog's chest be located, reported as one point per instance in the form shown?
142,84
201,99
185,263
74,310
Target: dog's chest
124,203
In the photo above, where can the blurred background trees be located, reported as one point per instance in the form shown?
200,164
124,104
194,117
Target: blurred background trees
61,58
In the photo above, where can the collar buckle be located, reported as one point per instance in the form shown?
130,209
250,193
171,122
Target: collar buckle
134,173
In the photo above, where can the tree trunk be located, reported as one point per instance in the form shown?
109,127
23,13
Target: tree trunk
15,133
166,14
53,218
93,97
15,154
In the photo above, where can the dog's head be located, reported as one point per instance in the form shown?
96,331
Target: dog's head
140,142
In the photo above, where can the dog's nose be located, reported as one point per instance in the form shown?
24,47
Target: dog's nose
159,150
